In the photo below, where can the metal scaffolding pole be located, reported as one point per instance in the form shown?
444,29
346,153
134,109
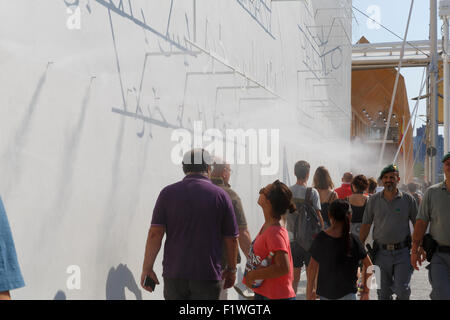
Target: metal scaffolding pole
427,131
446,90
434,74
394,93
444,12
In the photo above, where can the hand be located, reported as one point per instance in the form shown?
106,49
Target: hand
229,277
422,254
417,257
364,296
249,280
152,276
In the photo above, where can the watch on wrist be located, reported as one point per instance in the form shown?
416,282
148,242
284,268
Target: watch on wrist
232,270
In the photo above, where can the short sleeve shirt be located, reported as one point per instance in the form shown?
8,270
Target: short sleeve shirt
337,272
196,215
274,238
299,192
235,200
390,219
435,209
10,274
238,210
344,191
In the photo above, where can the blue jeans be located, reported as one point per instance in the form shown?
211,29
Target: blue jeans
396,271
350,296
439,276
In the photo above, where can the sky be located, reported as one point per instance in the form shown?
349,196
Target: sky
393,14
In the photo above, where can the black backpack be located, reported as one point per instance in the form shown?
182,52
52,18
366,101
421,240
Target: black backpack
303,225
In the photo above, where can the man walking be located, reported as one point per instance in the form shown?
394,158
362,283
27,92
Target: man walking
390,212
197,217
435,211
301,193
345,190
412,189
220,176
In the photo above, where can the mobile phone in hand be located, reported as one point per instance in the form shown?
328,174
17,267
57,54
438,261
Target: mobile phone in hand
149,282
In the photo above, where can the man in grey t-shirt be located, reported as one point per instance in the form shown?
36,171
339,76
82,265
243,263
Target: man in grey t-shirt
390,212
300,256
434,211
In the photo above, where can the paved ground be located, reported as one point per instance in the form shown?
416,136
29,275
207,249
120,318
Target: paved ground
420,287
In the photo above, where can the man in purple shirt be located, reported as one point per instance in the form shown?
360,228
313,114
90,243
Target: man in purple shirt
197,217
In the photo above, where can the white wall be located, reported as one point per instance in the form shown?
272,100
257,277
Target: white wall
80,172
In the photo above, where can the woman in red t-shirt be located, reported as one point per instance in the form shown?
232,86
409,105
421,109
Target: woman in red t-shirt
270,258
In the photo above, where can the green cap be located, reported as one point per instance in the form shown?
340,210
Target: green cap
446,157
389,168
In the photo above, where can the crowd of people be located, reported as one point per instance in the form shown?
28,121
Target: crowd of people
321,228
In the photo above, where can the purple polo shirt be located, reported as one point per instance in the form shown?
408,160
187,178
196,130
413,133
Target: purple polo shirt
197,215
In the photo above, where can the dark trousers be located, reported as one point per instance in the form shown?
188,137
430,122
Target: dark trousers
184,289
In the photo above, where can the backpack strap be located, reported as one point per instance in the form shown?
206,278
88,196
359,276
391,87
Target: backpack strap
308,195
330,196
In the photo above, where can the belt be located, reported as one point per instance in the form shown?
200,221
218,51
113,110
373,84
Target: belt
395,246
444,249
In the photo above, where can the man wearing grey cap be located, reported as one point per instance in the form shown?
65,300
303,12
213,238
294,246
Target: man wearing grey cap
435,212
390,211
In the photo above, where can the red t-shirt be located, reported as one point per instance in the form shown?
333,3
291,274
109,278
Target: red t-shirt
274,238
344,191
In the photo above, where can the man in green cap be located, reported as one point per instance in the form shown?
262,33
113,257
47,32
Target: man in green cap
435,211
390,212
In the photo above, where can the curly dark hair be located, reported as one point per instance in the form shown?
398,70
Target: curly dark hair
280,197
372,185
360,183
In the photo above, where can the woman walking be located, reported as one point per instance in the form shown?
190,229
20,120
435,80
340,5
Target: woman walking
324,185
372,189
269,270
358,202
335,255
